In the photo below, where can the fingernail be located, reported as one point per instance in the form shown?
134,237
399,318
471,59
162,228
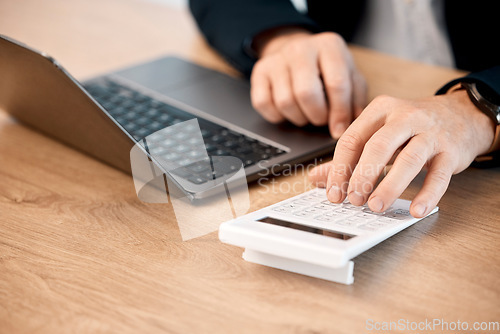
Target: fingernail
419,209
334,194
356,198
376,204
338,130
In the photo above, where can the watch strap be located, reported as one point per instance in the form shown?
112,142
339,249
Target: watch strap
489,77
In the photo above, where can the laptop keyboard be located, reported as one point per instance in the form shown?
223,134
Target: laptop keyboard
142,115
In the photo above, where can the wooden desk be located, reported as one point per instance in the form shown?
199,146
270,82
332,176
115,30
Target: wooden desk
80,253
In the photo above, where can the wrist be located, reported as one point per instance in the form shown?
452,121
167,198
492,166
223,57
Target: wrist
485,127
273,40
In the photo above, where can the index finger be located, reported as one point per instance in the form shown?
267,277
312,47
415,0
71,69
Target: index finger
348,151
338,88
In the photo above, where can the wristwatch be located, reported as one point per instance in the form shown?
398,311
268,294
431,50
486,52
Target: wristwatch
488,102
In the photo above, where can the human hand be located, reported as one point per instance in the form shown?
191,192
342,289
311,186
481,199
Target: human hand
443,133
304,77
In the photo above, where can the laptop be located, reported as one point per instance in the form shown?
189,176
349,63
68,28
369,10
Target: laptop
106,116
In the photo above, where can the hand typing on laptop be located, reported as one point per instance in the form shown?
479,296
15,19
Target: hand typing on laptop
306,78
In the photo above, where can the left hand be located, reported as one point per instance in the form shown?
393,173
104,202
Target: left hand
443,133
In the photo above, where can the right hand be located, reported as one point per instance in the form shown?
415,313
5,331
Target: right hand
308,78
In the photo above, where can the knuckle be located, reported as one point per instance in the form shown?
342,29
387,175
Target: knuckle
383,99
363,181
260,67
413,157
441,176
318,118
337,84
295,47
284,103
260,102
350,141
331,37
306,95
379,144
338,173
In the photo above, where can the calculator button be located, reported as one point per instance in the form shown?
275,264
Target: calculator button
327,202
279,209
367,227
377,224
353,207
387,220
402,212
313,211
332,213
362,219
326,218
322,207
287,208
310,199
398,214
365,216
317,195
346,222
301,202
344,212
301,214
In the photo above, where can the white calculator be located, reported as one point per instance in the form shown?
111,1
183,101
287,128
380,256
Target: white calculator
309,235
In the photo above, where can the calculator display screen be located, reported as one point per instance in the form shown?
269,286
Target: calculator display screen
316,230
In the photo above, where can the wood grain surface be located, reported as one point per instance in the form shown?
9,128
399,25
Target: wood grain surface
80,253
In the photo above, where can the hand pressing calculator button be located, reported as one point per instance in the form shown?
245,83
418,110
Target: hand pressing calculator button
309,235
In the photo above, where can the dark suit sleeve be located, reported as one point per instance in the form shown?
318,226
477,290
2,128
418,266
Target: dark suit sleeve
491,79
230,25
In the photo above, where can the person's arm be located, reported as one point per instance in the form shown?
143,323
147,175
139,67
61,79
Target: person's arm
231,25
302,75
443,133
488,82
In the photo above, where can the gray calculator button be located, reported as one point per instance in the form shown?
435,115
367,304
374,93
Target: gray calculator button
398,214
402,212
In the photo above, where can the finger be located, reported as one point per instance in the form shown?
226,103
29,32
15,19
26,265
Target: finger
359,94
435,184
308,89
319,174
338,87
407,165
349,148
284,100
261,96
376,154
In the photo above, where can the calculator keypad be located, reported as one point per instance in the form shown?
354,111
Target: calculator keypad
312,207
